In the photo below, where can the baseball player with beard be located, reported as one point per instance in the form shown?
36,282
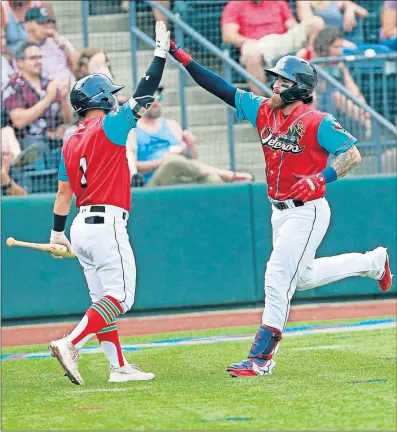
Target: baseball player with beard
296,140
94,168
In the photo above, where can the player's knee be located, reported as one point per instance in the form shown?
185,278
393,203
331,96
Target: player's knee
305,282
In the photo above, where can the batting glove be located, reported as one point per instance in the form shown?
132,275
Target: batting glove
308,188
179,54
162,40
59,237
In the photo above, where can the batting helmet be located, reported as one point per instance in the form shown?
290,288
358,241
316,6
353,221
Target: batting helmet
299,71
94,91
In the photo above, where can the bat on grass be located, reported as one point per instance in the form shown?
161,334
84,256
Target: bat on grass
55,249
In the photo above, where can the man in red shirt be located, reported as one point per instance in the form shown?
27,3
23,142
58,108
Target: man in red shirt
264,31
94,168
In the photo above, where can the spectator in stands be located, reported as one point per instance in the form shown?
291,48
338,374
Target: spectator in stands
340,14
13,13
329,43
8,185
9,148
388,31
265,30
6,60
166,155
60,59
58,54
39,110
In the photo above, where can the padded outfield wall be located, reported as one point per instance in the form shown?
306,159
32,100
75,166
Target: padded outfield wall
198,246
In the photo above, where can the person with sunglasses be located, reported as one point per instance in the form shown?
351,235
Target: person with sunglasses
35,107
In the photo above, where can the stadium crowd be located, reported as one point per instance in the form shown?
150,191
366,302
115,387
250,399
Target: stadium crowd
39,66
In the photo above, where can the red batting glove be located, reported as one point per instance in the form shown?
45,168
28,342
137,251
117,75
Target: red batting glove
308,188
179,54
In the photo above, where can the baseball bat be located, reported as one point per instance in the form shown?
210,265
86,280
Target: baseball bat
55,249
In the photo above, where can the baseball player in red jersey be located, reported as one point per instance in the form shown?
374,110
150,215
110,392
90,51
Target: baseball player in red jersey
296,140
94,168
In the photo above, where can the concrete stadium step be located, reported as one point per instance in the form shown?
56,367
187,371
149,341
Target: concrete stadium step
246,153
169,80
243,133
108,41
199,115
69,8
194,95
108,23
120,22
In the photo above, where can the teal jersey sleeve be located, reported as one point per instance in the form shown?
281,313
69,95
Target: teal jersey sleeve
117,125
247,105
62,175
333,137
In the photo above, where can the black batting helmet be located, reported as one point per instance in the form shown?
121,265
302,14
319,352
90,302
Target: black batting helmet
299,71
94,91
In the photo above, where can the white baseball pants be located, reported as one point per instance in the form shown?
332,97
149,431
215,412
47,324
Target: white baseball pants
105,253
297,233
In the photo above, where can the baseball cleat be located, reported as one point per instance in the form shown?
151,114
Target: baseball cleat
386,279
247,368
129,372
67,355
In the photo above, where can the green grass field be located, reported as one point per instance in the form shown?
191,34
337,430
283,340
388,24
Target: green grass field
343,381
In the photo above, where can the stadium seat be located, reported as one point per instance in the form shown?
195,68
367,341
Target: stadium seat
374,78
205,18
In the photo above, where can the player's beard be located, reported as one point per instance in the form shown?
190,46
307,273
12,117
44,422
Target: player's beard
276,102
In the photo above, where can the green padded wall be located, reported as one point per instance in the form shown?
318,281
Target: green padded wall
195,246
363,216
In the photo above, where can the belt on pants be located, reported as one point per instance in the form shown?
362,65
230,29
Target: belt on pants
95,219
287,204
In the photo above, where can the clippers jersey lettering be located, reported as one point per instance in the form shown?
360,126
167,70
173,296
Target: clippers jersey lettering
298,144
96,167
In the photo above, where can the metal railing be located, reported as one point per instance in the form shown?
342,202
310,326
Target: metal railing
376,134
181,28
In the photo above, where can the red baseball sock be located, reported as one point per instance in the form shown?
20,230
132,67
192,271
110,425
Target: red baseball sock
98,316
110,342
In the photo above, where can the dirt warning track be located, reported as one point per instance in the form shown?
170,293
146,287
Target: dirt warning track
44,333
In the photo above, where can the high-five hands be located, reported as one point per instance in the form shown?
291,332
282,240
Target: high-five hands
162,40
179,54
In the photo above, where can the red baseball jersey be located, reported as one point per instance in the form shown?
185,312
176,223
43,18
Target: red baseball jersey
298,144
94,160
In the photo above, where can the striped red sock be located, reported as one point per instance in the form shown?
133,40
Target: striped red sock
98,316
110,342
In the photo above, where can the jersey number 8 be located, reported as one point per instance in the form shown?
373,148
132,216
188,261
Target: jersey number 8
83,169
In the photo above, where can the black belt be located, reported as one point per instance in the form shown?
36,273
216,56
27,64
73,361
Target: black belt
99,219
102,209
94,220
283,206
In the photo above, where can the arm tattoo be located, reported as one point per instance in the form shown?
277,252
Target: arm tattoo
346,161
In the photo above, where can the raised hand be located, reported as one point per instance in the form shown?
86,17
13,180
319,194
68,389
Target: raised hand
51,90
179,54
162,40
